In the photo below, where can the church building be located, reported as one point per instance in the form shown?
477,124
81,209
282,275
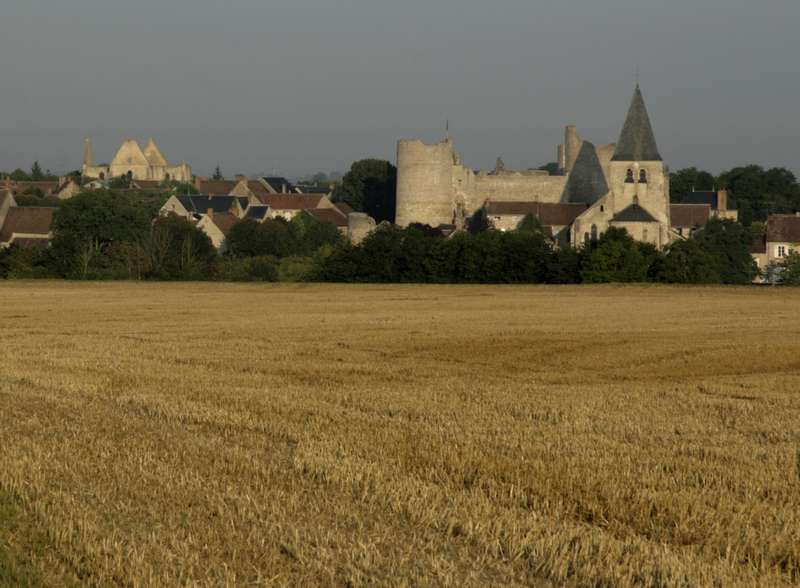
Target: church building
140,164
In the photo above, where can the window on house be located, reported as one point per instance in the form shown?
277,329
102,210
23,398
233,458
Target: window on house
629,177
642,176
781,251
644,234
594,232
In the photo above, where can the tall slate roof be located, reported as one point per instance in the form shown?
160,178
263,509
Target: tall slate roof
637,141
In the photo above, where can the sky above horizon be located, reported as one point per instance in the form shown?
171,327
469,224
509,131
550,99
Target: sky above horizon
299,86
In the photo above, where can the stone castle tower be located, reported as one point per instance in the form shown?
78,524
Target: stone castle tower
620,184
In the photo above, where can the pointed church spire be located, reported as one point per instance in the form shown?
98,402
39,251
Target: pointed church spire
637,141
88,156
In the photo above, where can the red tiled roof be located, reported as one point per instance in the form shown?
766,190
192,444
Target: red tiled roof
215,187
553,214
32,220
257,188
330,215
783,228
689,215
344,207
225,221
290,201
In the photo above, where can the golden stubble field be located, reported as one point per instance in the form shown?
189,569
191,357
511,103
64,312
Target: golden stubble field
206,434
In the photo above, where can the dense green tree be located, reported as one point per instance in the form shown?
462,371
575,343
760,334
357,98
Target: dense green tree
686,262
37,174
729,242
790,272
615,257
757,192
88,223
687,180
370,186
19,175
177,250
479,222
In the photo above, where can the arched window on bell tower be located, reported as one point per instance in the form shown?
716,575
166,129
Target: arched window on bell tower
629,177
642,176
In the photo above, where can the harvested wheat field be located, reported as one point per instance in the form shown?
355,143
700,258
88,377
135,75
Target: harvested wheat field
296,435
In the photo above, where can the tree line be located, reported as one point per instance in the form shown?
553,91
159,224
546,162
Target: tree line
719,254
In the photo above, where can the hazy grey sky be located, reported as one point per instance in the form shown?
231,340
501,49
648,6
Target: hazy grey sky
297,86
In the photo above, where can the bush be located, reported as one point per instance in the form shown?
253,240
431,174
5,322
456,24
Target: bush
250,269
296,268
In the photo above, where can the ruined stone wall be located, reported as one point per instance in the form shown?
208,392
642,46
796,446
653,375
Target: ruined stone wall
520,187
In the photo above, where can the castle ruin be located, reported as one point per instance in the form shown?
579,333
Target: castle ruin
624,184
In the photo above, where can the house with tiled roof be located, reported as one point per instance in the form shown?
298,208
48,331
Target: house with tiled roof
717,201
217,226
196,205
214,187
782,237
24,225
331,215
290,205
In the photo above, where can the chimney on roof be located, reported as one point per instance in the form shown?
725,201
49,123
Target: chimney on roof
722,200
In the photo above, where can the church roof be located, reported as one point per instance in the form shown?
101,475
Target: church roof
633,214
637,141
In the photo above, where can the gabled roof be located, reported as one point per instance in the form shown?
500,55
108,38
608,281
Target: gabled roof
130,153
329,215
279,185
224,221
216,187
344,207
257,188
290,201
633,214
637,141
690,216
201,203
553,214
153,154
28,220
783,228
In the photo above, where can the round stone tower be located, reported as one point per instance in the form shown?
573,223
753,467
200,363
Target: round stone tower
425,183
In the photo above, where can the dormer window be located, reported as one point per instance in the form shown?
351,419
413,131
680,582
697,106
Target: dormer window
629,177
642,176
